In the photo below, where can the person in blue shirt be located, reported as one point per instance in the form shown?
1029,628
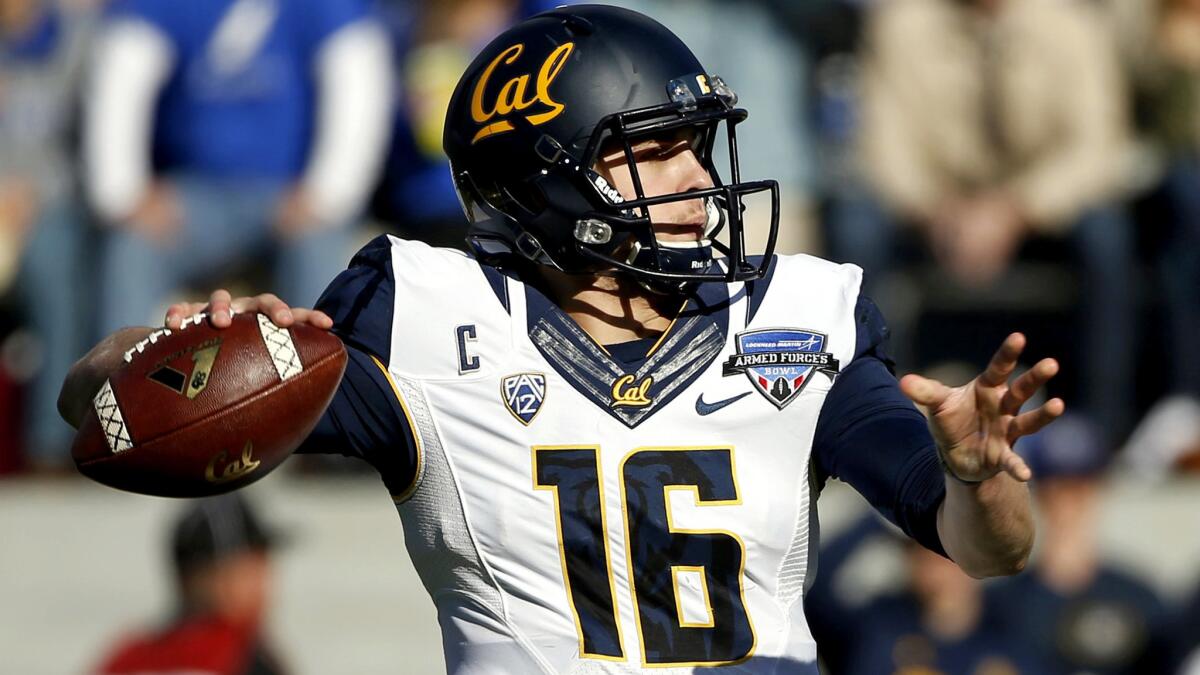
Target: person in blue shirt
1184,639
231,125
1072,607
431,45
937,623
42,45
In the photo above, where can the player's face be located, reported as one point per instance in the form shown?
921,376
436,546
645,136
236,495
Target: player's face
665,165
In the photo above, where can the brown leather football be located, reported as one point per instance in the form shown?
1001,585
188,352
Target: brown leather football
200,411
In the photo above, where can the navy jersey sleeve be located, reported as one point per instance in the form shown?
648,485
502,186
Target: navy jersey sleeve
362,298
870,436
367,418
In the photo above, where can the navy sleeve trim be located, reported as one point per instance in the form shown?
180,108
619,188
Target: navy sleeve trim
496,280
413,441
361,299
368,419
871,332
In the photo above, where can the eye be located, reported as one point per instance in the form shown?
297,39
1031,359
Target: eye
647,152
662,149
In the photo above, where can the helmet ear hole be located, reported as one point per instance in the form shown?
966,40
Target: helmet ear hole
525,196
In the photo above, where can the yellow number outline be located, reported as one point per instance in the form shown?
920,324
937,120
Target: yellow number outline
562,552
695,490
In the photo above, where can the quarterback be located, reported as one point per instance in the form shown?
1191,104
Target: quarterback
605,431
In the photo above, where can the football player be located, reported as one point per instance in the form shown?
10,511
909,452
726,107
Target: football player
605,431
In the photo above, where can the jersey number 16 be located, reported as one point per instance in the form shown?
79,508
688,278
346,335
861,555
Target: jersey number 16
659,553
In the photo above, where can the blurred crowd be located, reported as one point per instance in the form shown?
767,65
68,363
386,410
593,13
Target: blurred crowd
221,557
992,164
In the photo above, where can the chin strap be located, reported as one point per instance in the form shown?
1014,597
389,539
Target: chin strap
716,217
683,256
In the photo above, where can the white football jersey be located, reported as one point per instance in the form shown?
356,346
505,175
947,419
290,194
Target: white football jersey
570,516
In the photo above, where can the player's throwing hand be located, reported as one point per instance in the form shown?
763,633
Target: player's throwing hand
221,306
975,425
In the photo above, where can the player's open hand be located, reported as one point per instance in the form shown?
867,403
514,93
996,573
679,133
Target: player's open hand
975,425
221,307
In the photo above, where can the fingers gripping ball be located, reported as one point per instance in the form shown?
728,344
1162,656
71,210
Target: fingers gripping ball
200,411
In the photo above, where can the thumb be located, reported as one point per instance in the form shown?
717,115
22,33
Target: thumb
924,391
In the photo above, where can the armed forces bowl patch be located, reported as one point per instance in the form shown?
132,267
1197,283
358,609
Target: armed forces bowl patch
780,361
523,394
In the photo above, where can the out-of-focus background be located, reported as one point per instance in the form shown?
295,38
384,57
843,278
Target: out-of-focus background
992,164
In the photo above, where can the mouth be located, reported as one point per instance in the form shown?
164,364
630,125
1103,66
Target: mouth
690,231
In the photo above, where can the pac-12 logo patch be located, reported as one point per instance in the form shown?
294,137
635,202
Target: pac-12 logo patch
780,361
523,395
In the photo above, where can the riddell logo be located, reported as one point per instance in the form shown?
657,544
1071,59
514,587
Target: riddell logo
514,95
610,193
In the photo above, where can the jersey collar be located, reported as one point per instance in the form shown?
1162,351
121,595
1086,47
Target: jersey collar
632,395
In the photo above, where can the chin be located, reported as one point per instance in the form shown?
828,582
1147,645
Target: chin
680,237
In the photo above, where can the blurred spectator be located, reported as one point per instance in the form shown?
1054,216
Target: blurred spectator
938,626
937,623
433,43
988,123
1161,40
830,32
1166,440
220,552
1071,607
1185,638
41,45
219,128
769,72
824,27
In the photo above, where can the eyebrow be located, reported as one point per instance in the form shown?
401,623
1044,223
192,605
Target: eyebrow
664,143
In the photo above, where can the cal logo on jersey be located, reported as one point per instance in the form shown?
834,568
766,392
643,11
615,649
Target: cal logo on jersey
780,361
523,395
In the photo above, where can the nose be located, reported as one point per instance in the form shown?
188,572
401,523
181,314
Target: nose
690,172
685,173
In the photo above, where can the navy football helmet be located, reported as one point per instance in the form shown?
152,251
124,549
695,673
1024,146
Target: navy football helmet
531,116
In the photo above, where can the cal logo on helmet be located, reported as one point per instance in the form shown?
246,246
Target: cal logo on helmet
515,96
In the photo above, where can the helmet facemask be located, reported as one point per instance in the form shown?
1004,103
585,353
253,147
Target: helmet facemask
621,235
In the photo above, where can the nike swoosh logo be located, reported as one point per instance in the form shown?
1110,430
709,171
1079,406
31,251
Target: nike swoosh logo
703,408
